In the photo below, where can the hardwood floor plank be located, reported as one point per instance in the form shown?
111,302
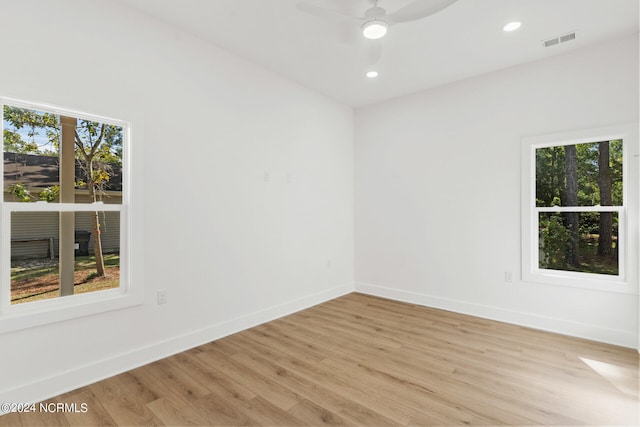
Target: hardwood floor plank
12,419
173,411
236,395
317,415
213,380
267,414
125,401
173,397
272,391
358,393
218,412
341,405
96,414
404,392
50,417
431,342
171,373
368,361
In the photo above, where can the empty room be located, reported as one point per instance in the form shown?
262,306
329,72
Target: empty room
320,212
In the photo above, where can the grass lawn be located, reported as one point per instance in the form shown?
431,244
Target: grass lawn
33,280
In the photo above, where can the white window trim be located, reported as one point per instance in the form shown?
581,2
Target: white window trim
627,280
21,316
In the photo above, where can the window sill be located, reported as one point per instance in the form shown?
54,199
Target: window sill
23,316
587,281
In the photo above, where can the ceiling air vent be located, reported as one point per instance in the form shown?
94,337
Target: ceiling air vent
560,39
568,37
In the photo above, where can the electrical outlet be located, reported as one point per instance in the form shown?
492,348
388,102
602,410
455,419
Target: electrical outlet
508,276
162,297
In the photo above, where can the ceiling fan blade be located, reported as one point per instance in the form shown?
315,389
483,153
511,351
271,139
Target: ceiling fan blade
419,9
348,34
323,13
375,52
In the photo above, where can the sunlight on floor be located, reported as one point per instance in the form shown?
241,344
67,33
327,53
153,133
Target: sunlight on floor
624,379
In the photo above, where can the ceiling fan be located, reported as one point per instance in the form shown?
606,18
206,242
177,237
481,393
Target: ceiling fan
376,22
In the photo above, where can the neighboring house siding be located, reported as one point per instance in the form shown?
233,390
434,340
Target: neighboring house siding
32,225
41,225
44,225
109,229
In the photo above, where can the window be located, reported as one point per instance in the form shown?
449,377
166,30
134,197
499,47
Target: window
64,214
579,206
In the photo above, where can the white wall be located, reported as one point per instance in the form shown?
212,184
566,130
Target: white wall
231,249
437,186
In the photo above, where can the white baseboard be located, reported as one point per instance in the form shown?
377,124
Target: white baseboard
623,338
63,382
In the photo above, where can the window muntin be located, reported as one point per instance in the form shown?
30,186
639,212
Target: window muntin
31,158
555,223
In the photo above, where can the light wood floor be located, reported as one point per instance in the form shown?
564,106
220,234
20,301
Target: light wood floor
361,360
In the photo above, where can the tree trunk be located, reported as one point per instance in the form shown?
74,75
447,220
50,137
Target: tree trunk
605,228
97,244
571,199
95,221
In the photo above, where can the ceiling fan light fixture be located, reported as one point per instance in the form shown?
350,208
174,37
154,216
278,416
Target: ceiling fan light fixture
374,29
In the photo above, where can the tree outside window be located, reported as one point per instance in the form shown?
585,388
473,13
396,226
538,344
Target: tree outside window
33,172
588,176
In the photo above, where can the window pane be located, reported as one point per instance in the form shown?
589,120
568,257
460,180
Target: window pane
32,162
579,241
587,174
36,261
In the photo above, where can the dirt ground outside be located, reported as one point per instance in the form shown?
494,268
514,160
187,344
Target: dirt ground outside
37,279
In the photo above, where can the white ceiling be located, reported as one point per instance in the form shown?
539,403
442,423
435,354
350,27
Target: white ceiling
461,41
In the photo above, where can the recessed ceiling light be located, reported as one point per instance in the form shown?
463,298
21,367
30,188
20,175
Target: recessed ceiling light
375,29
512,26
372,74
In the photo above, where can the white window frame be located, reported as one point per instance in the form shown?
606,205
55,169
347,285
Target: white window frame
21,316
626,280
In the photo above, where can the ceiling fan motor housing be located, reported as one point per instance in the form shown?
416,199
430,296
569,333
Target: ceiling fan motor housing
374,13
